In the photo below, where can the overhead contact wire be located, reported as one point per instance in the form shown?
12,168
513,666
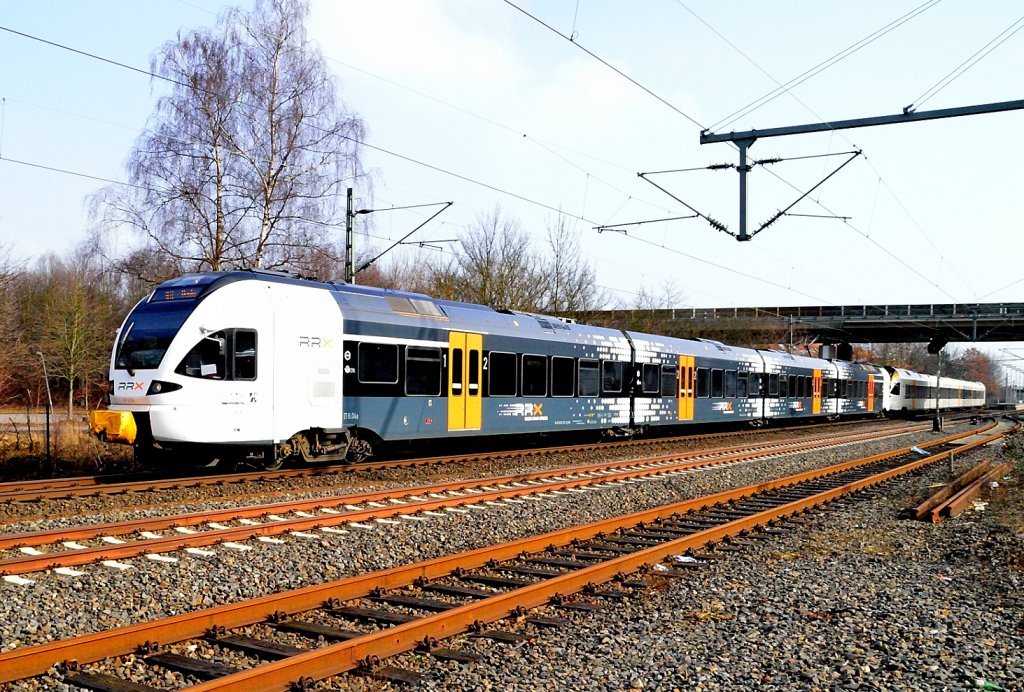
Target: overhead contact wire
605,63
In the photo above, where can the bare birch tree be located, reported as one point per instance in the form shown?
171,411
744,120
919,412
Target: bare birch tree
243,161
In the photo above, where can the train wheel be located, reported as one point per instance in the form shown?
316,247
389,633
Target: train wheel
271,462
265,459
358,450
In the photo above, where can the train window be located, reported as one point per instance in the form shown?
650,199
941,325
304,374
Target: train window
423,371
456,372
474,372
535,376
773,384
755,383
501,380
895,391
589,379
716,383
378,363
651,378
669,380
207,359
703,382
741,385
783,386
245,355
808,386
562,370
612,376
794,389
730,383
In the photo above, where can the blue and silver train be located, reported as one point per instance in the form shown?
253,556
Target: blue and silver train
267,367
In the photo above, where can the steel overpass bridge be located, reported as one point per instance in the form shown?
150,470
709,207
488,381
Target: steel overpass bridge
936,324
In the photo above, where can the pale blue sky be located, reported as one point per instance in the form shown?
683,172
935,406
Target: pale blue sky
506,102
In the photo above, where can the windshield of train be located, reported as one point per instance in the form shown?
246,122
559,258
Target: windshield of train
148,332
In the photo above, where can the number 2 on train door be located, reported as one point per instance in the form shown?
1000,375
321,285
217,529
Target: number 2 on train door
465,353
687,385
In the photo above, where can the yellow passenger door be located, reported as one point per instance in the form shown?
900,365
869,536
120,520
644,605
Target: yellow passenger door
687,387
465,367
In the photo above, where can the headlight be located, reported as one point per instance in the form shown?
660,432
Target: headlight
158,387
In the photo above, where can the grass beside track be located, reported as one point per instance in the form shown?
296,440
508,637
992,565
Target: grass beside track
73,451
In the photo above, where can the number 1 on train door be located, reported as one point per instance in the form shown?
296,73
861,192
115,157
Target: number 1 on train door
465,365
687,386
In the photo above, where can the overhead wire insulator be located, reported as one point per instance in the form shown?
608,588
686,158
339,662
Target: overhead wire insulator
718,225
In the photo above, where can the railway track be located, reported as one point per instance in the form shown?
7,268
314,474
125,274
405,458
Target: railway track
420,604
118,484
62,549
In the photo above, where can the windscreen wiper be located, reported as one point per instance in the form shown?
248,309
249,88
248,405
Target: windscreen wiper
120,347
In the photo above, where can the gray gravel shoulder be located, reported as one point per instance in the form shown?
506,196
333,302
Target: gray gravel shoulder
871,601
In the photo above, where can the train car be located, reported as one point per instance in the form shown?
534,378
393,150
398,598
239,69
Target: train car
704,381
265,367
913,393
262,367
859,388
793,386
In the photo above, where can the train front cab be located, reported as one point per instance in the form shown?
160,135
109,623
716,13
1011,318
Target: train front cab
192,365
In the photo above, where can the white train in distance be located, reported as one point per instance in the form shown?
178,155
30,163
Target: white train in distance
266,367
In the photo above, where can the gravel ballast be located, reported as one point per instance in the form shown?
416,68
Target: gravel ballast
858,600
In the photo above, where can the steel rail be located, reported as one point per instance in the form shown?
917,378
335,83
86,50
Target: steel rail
958,503
93,486
928,507
326,661
15,519
713,456
266,493
107,485
594,475
22,663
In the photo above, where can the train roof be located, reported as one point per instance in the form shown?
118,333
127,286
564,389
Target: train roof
385,304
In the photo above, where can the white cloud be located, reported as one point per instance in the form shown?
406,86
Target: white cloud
422,40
